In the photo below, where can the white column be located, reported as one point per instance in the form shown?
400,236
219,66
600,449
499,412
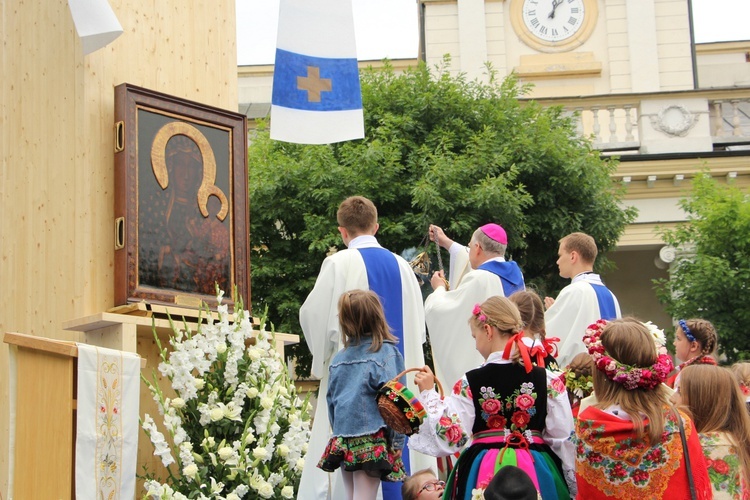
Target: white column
472,37
642,45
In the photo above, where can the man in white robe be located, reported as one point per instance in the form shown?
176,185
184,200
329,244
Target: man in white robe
447,312
582,302
368,266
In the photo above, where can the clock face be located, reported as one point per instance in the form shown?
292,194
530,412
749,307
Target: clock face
553,20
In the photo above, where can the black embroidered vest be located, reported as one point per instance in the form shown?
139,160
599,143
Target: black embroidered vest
505,396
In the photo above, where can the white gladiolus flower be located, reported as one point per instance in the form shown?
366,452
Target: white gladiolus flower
213,364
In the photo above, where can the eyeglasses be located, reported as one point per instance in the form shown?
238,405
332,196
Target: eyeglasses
431,486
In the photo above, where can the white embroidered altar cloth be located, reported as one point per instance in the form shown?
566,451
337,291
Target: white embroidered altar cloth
107,426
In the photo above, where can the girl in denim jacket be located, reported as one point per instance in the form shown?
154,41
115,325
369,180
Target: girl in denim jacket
365,449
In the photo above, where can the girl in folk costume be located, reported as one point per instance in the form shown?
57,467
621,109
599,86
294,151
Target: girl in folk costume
362,446
694,342
713,396
541,349
629,444
742,372
508,411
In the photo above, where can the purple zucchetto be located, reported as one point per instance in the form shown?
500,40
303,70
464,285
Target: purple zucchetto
495,232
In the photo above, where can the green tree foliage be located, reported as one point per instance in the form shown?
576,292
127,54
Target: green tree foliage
438,149
711,278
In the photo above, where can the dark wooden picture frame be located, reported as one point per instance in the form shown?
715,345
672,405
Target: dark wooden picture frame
181,207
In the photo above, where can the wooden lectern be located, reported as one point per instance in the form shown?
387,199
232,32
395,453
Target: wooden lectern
44,391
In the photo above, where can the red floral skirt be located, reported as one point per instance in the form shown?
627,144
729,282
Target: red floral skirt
371,453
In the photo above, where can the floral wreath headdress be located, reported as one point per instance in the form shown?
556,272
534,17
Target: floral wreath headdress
629,376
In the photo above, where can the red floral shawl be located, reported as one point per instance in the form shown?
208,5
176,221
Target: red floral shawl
611,462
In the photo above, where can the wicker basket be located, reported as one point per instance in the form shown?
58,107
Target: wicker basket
399,407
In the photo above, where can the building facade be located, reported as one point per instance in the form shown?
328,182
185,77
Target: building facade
638,85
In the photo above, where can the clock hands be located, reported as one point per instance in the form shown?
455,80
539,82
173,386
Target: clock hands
555,4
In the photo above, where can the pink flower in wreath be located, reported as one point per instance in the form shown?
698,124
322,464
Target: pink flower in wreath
491,406
496,422
454,434
524,402
445,422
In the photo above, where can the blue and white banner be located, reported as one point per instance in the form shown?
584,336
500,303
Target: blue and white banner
316,93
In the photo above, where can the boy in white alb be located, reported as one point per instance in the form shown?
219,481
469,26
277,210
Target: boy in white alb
582,302
368,266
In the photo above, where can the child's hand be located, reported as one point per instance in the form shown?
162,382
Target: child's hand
425,379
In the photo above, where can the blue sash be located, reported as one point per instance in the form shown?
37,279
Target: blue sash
384,278
607,309
509,273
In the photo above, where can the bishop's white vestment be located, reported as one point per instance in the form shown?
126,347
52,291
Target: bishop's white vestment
447,312
364,265
577,306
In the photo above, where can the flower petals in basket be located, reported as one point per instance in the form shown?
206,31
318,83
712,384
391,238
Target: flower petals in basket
399,407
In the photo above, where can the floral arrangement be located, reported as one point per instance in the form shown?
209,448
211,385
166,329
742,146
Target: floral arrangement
236,427
580,385
659,338
631,377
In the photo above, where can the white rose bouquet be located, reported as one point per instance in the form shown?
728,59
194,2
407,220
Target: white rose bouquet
236,427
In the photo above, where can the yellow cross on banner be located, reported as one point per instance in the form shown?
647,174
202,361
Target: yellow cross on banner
313,84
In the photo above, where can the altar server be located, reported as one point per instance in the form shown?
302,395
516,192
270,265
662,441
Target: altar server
582,302
445,310
363,265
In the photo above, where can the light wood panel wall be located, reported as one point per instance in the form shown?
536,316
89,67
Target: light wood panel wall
56,121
